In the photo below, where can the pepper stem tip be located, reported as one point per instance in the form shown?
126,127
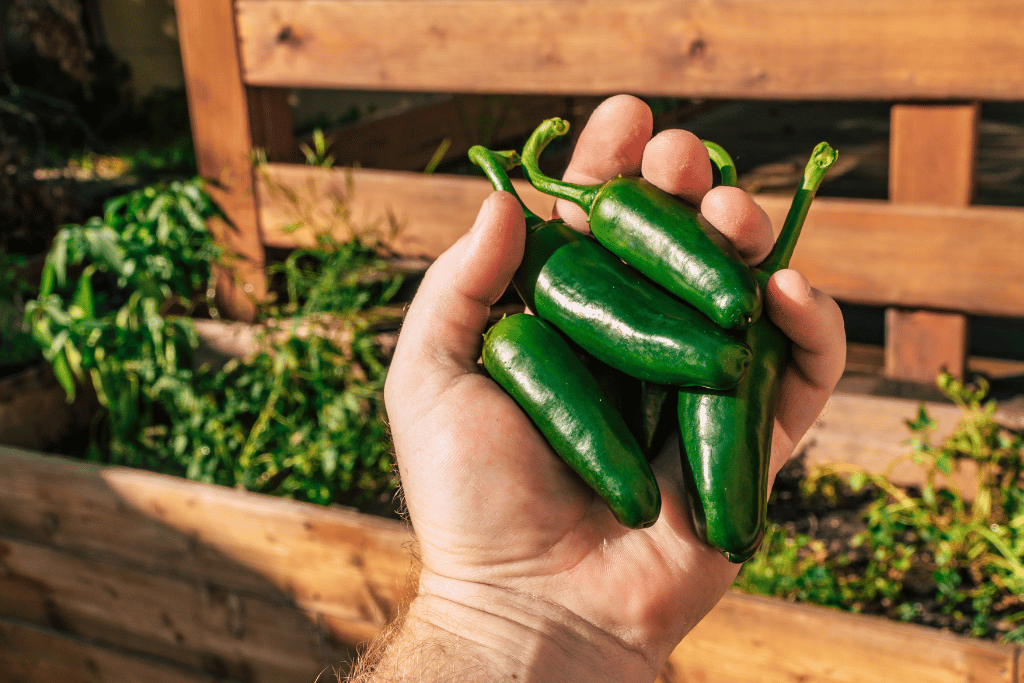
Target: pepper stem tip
821,160
723,162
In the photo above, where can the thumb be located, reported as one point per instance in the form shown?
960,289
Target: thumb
443,329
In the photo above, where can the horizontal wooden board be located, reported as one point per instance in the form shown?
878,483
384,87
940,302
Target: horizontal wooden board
418,215
745,638
32,654
871,432
327,561
749,638
860,251
829,49
221,631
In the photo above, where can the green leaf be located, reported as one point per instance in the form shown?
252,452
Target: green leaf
923,423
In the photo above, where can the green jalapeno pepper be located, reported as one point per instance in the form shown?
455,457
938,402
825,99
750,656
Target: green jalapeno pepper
726,436
609,309
538,368
657,234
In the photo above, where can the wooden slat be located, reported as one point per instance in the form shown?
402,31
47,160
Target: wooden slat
860,251
744,639
429,212
826,49
933,154
30,654
749,638
920,344
221,131
871,432
328,561
260,638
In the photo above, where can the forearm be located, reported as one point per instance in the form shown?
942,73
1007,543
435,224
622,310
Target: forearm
470,633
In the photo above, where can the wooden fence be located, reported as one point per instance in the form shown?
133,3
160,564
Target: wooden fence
927,254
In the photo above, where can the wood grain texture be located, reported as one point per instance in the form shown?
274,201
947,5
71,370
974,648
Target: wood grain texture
221,130
921,344
933,152
749,638
827,49
32,654
138,574
860,251
330,562
259,638
932,159
417,215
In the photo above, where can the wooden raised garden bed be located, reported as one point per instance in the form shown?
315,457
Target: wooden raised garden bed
115,575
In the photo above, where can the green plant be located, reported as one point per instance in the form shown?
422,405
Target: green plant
106,283
933,555
302,417
16,346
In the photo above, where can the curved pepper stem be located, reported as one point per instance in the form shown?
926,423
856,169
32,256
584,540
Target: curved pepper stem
821,159
495,166
581,195
723,162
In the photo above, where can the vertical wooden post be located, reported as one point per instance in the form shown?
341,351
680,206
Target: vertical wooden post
219,110
932,160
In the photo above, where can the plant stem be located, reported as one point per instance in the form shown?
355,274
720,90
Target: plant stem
821,159
494,166
581,195
723,162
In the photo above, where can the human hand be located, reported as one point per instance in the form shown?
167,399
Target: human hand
515,549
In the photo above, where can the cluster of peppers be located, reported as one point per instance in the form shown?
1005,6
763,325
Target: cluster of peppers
650,324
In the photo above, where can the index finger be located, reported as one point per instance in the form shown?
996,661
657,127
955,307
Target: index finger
611,144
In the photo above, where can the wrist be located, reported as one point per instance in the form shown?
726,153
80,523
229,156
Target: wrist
468,631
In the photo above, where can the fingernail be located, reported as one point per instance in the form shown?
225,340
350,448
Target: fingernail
485,211
806,284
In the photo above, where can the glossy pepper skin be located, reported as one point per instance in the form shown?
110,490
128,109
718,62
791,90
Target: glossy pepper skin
659,235
726,436
610,310
538,368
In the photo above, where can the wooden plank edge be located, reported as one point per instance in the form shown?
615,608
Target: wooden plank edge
191,623
34,653
755,638
422,215
206,532
755,50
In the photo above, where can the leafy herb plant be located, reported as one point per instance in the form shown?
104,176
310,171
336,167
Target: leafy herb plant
300,417
935,554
